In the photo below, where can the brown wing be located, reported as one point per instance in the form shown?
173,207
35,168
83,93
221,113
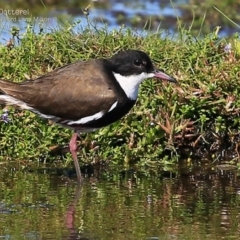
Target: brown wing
71,92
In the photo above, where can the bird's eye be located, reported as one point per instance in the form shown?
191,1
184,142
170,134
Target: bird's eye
137,62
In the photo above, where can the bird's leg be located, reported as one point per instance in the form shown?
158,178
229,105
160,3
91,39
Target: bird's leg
73,150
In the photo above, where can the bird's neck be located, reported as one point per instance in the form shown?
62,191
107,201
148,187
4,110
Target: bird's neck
129,84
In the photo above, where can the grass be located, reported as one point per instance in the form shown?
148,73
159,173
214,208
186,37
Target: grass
198,120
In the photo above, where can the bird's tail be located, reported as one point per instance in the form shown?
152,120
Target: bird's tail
10,93
6,87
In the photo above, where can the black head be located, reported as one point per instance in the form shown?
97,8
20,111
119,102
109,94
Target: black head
135,62
131,62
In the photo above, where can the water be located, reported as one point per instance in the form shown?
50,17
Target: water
132,14
49,19
193,204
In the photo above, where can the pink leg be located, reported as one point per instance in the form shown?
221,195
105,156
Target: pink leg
73,150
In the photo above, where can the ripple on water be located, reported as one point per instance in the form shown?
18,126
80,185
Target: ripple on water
198,203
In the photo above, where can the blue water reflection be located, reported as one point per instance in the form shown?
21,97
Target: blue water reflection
50,20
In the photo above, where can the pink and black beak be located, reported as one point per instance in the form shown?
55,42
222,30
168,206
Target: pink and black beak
164,76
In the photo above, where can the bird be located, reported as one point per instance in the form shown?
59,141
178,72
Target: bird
85,95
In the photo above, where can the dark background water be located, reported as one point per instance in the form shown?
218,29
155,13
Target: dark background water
152,15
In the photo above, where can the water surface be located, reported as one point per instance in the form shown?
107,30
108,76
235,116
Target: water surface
199,204
111,14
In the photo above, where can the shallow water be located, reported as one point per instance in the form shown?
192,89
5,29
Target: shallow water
192,204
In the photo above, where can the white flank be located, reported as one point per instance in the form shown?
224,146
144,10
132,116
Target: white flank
13,101
113,106
130,84
87,119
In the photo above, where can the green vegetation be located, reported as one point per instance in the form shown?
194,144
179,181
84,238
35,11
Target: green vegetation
198,119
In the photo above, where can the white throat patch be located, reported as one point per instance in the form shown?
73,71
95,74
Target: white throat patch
130,84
